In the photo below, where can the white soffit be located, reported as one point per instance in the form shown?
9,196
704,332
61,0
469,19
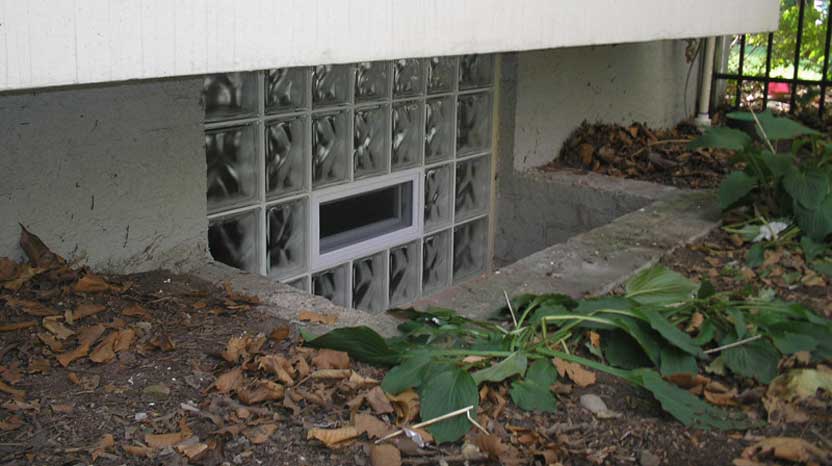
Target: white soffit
65,42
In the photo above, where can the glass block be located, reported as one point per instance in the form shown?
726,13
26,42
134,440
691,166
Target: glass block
472,187
286,161
473,130
441,74
439,129
301,283
229,95
286,238
475,71
232,240
331,85
470,246
231,158
330,161
404,274
369,287
370,146
371,81
286,89
408,78
407,134
436,260
333,284
437,197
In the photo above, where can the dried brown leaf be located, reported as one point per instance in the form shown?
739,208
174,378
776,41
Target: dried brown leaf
192,450
406,405
58,329
11,423
309,316
83,310
105,443
104,352
124,339
136,311
325,374
333,437
90,335
259,391
91,283
385,455
18,326
33,308
581,376
62,408
138,450
377,400
789,449
8,269
167,440
49,340
229,381
280,333
38,253
331,359
38,366
371,425
65,359
163,342
260,434
279,366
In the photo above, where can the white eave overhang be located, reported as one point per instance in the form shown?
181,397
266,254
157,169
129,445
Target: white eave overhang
67,42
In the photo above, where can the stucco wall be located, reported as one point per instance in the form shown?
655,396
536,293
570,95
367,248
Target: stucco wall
543,97
558,89
111,176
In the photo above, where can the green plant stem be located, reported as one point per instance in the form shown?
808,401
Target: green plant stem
583,361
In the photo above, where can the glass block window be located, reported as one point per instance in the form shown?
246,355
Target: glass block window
277,141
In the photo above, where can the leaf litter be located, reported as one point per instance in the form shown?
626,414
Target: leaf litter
237,395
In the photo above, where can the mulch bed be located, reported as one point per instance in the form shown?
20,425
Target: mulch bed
639,152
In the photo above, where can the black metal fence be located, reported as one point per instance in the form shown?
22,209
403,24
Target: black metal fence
812,90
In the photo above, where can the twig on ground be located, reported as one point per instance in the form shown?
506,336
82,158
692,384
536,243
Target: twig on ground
510,309
466,411
734,344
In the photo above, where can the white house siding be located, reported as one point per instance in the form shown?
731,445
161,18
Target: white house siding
63,42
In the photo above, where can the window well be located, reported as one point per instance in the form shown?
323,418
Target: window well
360,217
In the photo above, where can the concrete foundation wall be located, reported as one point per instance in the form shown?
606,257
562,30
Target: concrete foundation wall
543,97
558,89
111,176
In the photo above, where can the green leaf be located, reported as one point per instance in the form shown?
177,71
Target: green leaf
641,332
508,367
688,409
676,361
757,359
816,223
738,318
774,127
790,343
734,187
809,189
706,290
621,350
755,255
812,249
706,333
658,285
721,137
446,392
542,372
362,343
777,164
531,396
546,311
409,374
823,267
669,331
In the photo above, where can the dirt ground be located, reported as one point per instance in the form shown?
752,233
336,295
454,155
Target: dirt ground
166,369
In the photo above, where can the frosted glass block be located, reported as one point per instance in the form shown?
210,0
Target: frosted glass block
370,146
439,129
404,274
330,146
232,163
470,246
475,71
301,283
369,286
473,131
331,85
371,81
472,187
286,238
229,95
286,159
437,197
232,240
286,89
333,284
436,262
408,77
441,74
407,134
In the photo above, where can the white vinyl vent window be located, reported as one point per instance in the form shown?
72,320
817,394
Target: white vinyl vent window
368,184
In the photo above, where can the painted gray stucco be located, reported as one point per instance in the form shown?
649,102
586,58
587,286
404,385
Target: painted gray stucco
543,97
108,176
558,89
